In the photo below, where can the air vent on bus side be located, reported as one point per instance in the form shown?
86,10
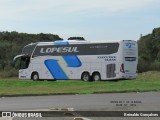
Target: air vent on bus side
110,70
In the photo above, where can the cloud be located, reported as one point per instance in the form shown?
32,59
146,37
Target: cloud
80,17
24,9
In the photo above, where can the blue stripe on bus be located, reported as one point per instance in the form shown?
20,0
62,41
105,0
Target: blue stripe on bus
55,69
61,43
72,61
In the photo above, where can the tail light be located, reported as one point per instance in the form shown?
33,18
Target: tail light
122,68
137,69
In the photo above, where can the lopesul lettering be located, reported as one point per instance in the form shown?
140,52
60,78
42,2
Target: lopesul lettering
58,50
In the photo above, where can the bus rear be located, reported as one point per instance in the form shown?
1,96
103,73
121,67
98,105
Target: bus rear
130,59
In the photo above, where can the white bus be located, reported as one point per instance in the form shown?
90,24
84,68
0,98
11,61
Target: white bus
75,59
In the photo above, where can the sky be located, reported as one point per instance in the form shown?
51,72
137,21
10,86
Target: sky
91,19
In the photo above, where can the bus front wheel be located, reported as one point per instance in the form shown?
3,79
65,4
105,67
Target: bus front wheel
35,76
86,77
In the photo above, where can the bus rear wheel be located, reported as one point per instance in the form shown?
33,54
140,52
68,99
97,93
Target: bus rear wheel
86,77
96,76
35,76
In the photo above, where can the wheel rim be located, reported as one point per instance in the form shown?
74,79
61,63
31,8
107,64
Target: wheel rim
35,77
96,77
86,77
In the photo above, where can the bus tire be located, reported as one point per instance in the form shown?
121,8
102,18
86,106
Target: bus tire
35,76
86,76
96,76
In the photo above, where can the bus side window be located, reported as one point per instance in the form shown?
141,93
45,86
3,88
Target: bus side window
130,58
24,62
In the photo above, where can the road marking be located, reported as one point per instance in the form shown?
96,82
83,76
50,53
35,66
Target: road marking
70,111
62,109
80,118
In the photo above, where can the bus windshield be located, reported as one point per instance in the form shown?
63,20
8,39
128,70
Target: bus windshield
28,49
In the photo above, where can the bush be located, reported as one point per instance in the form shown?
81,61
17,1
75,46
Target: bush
9,73
155,66
143,65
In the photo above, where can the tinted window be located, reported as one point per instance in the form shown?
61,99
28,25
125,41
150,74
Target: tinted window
27,50
24,62
77,49
130,58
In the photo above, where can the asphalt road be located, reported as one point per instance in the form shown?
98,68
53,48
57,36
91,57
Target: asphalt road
147,101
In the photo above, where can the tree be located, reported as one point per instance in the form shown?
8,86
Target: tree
149,51
11,44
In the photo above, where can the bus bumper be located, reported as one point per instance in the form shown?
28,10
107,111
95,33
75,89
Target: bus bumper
129,76
23,74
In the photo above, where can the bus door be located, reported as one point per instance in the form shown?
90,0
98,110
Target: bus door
24,64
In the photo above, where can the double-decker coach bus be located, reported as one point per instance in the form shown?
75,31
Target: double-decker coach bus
74,59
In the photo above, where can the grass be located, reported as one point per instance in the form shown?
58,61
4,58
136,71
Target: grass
148,81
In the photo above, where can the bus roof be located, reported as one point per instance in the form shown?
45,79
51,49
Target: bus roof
80,42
